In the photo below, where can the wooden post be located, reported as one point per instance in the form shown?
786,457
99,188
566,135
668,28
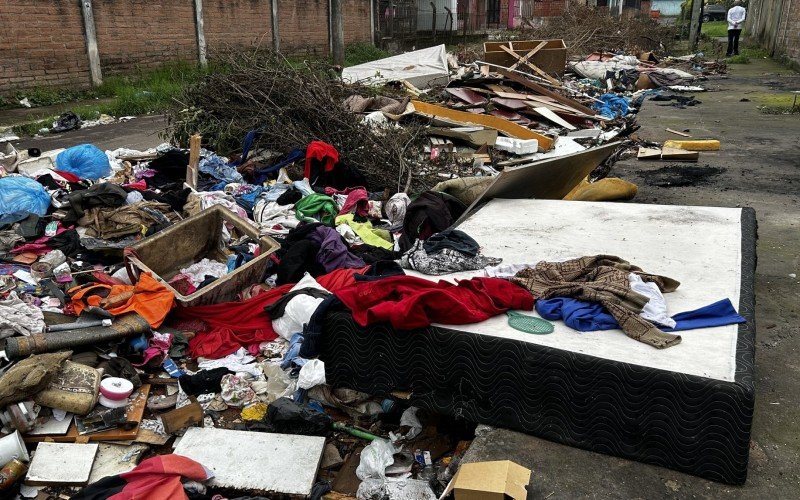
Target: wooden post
90,34
337,32
694,27
433,24
276,32
372,21
201,35
194,161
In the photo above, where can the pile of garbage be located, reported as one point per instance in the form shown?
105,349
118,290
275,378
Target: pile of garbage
160,310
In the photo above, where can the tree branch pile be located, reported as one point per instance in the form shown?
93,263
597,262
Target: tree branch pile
585,30
292,105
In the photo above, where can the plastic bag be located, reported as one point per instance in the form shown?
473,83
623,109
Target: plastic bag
374,460
67,121
284,416
86,161
312,374
20,197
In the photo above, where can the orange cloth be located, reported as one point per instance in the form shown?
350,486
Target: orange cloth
149,298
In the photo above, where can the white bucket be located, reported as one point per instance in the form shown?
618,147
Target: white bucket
12,447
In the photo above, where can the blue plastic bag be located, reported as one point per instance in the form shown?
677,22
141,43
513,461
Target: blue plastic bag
21,196
612,106
86,161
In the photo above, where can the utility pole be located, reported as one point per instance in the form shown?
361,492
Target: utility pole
337,32
694,27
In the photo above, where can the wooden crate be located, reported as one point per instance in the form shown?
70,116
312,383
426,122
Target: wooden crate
551,59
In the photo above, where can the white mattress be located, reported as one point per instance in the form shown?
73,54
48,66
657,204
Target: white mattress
698,246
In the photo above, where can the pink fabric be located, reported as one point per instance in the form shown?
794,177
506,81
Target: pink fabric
39,246
357,202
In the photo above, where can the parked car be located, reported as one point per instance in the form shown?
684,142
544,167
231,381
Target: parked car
714,13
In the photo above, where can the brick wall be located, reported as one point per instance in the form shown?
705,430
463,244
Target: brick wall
41,43
356,20
237,23
304,26
549,8
142,34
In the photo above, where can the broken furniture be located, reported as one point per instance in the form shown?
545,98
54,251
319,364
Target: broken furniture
550,56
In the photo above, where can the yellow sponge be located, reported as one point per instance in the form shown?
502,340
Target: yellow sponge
608,189
705,145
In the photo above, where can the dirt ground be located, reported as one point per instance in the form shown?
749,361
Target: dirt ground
758,166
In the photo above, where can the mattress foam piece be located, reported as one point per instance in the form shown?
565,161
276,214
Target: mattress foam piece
602,391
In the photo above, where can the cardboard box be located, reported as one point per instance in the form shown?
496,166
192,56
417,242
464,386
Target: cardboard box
490,481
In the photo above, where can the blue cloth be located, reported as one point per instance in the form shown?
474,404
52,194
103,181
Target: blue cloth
248,200
293,156
294,351
591,316
613,106
249,138
216,167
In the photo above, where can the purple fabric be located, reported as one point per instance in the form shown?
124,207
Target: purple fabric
333,253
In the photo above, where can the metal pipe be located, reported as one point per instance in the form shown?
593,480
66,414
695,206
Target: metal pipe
128,325
79,325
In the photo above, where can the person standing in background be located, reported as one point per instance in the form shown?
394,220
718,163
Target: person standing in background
736,15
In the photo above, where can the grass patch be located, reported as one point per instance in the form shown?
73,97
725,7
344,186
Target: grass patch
361,52
148,92
775,104
32,128
746,54
715,28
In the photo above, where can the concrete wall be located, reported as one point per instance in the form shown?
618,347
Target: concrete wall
42,43
775,24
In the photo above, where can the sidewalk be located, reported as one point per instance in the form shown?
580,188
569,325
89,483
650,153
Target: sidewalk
759,162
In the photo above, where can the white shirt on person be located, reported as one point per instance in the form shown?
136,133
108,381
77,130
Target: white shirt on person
736,15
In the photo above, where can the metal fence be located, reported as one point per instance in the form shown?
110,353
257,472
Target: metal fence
406,23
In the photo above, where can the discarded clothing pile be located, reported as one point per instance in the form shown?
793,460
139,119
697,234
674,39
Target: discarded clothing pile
603,279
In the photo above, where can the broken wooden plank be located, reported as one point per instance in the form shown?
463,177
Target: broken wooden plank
544,91
469,96
545,112
512,116
676,132
182,417
194,161
134,413
461,118
532,66
649,154
530,54
676,154
476,136
515,104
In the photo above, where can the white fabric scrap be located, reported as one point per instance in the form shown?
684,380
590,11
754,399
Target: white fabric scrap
18,317
655,310
238,362
206,267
